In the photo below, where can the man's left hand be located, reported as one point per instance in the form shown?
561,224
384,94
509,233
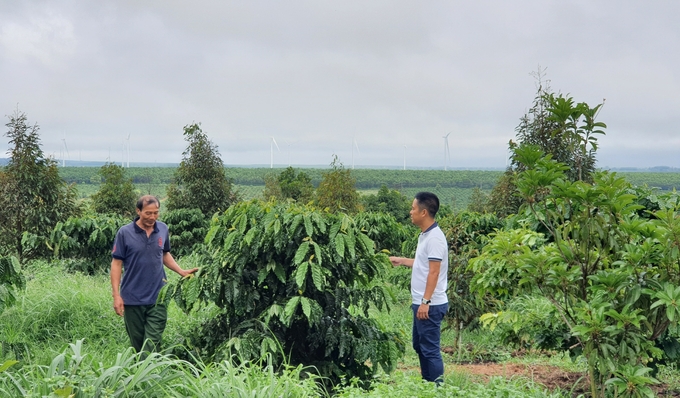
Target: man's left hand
185,273
423,312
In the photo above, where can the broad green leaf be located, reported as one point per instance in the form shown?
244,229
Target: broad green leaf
349,243
301,274
289,310
280,273
262,275
309,228
317,252
301,253
229,241
241,223
317,277
211,233
306,308
340,245
248,239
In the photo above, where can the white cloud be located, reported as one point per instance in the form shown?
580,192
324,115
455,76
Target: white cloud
46,36
391,73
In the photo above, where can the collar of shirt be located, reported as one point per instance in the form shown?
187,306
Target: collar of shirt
430,228
140,230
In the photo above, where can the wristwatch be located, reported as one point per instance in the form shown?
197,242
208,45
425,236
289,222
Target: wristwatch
425,301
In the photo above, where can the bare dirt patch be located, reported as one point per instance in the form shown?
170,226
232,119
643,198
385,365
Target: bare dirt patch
550,376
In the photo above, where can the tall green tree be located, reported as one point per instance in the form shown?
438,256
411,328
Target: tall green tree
116,194
610,274
290,184
389,201
200,181
33,197
559,127
562,128
337,190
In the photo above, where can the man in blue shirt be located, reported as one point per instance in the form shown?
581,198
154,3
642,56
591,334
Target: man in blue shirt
429,282
140,250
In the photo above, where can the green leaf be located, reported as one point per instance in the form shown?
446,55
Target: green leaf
349,243
309,228
249,236
229,241
289,310
301,253
280,273
340,245
301,274
262,275
7,364
306,307
317,252
317,277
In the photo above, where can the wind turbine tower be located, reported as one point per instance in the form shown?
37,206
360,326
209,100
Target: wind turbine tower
271,164
447,154
64,154
354,144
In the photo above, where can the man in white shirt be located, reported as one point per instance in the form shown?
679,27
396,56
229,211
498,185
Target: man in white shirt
429,281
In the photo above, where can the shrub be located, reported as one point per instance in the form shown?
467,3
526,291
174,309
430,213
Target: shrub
86,241
289,275
117,194
200,180
187,230
10,278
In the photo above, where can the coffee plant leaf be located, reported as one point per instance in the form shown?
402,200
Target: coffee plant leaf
301,274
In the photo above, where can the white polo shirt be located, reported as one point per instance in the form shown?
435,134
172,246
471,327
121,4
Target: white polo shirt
431,246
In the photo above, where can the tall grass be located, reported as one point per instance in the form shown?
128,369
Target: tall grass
73,373
58,308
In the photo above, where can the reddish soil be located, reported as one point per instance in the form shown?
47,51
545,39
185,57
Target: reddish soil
550,376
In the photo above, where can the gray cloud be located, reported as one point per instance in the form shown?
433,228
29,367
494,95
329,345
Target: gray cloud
316,75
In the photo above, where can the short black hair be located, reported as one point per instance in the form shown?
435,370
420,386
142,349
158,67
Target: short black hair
429,202
147,200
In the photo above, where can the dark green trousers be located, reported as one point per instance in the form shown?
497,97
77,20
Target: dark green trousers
145,325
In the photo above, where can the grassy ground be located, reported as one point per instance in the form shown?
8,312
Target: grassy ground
58,309
63,337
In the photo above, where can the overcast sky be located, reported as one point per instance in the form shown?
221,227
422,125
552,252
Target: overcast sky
318,75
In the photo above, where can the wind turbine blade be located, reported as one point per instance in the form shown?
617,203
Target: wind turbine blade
277,145
357,145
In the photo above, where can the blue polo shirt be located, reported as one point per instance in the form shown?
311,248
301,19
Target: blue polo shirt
142,256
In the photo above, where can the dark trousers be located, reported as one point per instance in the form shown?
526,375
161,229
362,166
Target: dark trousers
145,325
426,342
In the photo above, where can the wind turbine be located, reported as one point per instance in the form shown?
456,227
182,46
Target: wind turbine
447,154
404,157
65,153
271,165
354,144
